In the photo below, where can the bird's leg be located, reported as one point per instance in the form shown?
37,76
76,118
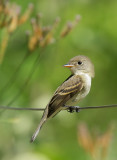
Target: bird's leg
71,109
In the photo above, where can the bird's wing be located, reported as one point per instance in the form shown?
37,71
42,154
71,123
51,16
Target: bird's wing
71,86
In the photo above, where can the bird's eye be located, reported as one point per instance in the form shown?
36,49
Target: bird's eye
79,62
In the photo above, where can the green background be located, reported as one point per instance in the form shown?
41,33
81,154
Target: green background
96,37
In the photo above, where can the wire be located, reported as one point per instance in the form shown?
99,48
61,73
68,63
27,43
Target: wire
74,107
24,109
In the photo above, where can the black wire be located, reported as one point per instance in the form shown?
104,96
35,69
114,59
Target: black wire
42,109
18,108
98,107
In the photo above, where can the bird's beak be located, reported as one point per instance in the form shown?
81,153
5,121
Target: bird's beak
68,65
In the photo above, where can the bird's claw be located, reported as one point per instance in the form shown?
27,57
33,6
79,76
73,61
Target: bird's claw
71,109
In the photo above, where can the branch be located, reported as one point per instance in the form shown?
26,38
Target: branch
42,109
14,75
35,64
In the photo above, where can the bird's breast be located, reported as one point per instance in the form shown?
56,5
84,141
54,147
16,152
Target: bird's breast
84,91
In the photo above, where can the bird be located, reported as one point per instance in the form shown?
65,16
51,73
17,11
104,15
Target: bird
71,91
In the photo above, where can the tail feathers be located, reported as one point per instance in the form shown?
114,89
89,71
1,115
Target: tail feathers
43,120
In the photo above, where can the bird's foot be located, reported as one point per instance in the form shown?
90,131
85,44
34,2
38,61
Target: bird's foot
71,109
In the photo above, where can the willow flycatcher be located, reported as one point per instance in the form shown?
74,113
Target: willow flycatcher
71,91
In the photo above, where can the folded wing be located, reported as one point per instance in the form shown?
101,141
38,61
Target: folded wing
69,88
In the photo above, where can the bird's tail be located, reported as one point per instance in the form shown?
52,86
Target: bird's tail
43,120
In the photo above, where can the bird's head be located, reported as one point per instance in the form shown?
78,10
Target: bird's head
81,64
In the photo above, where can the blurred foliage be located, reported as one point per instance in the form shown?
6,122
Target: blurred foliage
95,144
41,73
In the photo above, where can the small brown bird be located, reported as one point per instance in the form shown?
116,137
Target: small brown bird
71,91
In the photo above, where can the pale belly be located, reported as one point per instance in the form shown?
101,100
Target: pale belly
83,93
73,101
